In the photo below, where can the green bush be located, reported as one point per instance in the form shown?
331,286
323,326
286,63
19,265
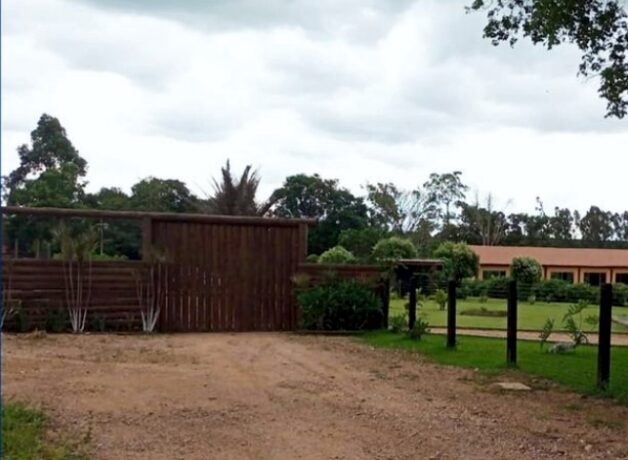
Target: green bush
339,305
620,295
552,290
336,255
459,260
312,259
440,297
57,320
398,323
526,270
360,241
394,248
420,328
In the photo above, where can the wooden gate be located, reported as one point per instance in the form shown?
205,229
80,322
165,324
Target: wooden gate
229,275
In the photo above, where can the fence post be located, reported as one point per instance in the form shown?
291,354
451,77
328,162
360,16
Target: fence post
451,314
604,337
511,338
412,307
385,299
147,238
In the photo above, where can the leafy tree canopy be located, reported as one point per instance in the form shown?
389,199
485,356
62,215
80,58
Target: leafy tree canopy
459,259
162,195
599,28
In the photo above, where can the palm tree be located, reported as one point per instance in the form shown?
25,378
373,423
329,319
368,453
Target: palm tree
237,197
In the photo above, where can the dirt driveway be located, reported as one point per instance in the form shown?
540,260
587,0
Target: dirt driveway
281,396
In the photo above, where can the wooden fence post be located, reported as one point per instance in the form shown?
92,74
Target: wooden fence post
385,283
604,337
147,238
412,301
511,338
451,314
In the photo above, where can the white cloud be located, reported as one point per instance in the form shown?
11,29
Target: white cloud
375,90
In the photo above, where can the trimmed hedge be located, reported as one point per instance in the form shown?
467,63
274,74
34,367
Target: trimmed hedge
543,291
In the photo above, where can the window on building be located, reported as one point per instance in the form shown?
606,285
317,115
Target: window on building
621,278
563,276
595,278
490,274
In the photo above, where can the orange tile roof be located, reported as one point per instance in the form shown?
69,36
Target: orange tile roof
559,257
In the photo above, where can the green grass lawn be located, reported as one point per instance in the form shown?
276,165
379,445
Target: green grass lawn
576,370
24,436
531,316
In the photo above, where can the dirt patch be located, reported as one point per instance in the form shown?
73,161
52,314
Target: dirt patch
280,396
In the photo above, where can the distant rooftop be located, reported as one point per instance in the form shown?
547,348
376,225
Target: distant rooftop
560,257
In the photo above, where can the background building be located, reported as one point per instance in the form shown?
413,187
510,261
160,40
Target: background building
574,265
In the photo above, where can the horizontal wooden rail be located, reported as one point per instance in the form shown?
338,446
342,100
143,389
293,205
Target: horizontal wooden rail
158,216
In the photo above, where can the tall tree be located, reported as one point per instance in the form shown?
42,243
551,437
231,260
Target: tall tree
482,223
596,225
336,208
599,28
397,210
446,192
50,173
237,196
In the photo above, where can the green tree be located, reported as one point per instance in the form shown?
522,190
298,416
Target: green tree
596,225
394,248
459,260
236,197
116,237
599,28
398,210
50,174
337,209
526,270
336,255
360,242
446,192
162,195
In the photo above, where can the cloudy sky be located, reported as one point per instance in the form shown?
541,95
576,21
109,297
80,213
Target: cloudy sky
359,90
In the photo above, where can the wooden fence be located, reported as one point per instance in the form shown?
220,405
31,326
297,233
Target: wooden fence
39,287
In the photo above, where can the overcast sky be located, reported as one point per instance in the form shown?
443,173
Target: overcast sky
359,90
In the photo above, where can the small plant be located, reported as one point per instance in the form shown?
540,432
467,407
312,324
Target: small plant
398,323
22,321
420,328
98,323
56,320
546,332
483,298
440,297
337,255
573,322
532,299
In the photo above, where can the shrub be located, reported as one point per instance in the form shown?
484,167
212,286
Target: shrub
57,320
339,305
552,290
398,323
440,297
459,260
420,328
336,255
312,258
526,270
620,295
394,248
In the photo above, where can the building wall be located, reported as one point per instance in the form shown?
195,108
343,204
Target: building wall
578,272
497,268
550,270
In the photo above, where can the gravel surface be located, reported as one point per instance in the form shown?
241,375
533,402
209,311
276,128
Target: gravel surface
282,396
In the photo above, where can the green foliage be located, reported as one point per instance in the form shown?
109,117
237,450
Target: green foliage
526,270
459,259
312,258
398,322
597,27
22,320
335,207
394,248
620,295
336,255
162,195
98,323
573,319
57,320
546,332
420,328
440,297
360,242
339,305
